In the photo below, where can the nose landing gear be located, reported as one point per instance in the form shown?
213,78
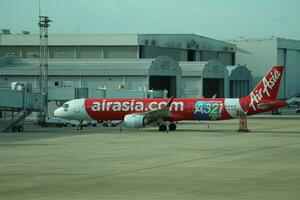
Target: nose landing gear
80,126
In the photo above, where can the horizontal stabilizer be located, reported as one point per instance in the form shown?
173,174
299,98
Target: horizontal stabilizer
264,106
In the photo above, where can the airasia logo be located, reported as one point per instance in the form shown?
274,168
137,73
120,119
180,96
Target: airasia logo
133,105
268,85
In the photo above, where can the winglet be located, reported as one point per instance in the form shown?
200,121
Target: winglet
170,102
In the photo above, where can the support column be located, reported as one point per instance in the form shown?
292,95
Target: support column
243,123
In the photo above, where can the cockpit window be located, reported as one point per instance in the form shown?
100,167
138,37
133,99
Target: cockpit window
65,105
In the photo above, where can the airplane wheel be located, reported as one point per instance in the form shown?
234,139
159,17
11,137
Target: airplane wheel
20,128
105,124
172,127
162,127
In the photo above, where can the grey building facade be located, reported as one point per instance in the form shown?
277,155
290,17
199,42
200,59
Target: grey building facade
181,47
240,81
259,55
181,79
204,79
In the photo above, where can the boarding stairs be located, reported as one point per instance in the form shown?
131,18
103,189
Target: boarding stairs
17,121
20,103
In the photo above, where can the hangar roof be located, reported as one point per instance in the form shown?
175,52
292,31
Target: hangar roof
162,65
77,67
192,68
239,73
70,40
209,69
278,42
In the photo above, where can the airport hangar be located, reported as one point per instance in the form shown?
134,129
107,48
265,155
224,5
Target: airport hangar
260,54
191,66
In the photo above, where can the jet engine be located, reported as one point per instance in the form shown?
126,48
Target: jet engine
135,121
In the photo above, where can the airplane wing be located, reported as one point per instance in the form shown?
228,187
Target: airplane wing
163,112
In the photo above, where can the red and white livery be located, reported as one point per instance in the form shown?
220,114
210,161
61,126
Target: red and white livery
137,113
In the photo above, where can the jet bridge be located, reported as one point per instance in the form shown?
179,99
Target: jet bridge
293,100
21,103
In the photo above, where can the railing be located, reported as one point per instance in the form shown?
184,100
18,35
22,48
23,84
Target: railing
20,99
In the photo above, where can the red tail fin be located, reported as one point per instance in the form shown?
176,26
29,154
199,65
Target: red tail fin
266,89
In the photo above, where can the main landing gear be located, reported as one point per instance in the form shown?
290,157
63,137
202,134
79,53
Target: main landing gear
163,127
172,127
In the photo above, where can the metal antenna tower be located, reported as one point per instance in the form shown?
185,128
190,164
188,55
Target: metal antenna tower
44,55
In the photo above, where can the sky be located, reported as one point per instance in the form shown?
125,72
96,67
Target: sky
219,19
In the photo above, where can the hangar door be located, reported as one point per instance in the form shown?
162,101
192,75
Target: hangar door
239,88
163,83
213,86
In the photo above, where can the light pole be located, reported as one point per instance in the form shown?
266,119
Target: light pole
44,55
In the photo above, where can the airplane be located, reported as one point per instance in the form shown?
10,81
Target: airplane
139,112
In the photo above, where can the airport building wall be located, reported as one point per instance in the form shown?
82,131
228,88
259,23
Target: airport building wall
259,55
181,79
204,79
181,47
